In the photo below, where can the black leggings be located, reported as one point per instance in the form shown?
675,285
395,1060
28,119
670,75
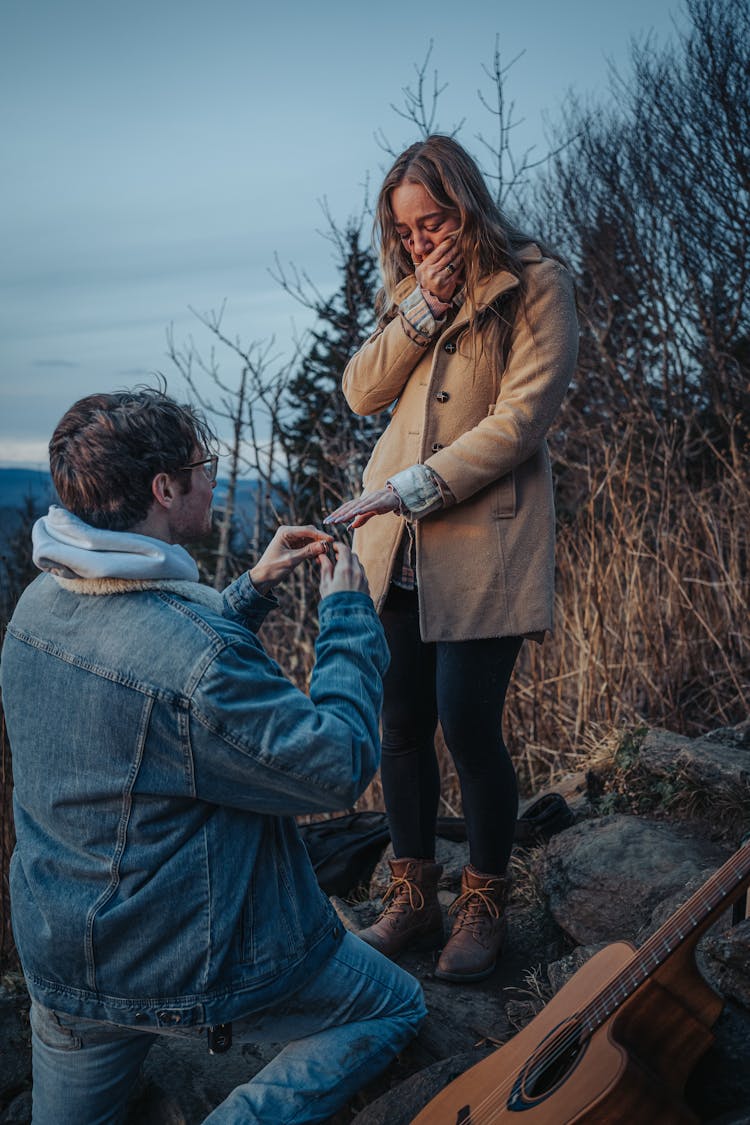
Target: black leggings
463,684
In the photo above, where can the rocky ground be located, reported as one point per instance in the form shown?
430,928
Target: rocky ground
653,822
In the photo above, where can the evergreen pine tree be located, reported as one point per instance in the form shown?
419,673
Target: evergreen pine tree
327,444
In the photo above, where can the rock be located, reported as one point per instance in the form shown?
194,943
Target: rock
181,1083
603,878
460,1018
354,916
720,1083
738,735
727,959
706,763
19,1110
15,1037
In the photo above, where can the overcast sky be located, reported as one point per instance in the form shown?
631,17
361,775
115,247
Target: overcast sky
155,155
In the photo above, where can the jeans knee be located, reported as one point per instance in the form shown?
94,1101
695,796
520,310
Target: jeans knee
415,1009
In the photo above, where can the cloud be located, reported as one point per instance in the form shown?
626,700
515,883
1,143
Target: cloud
54,363
31,453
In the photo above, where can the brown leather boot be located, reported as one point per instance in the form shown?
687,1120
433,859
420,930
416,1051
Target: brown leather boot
411,917
479,929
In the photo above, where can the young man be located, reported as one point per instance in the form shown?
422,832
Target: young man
159,884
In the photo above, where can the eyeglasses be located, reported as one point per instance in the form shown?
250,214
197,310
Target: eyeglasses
210,466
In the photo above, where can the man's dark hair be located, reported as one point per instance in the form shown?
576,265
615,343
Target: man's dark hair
107,449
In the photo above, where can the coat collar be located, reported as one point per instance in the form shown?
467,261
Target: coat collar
488,289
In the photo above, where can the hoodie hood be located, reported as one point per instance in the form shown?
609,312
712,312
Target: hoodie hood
67,547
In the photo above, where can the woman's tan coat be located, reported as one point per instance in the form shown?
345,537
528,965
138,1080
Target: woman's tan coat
485,566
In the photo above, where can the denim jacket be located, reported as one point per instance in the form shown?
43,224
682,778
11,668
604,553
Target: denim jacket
159,758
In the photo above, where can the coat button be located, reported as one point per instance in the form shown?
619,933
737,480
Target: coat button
442,396
436,446
450,347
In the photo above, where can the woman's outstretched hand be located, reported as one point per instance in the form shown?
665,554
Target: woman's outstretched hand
361,510
289,547
347,574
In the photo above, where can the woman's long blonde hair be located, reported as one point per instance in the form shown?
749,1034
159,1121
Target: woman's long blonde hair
487,241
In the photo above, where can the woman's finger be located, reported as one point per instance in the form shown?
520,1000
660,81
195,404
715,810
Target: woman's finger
341,512
361,519
346,510
372,504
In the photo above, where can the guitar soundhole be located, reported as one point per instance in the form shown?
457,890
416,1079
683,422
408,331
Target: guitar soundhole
544,1072
464,1116
544,1076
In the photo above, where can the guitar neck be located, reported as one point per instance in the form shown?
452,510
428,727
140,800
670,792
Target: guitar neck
687,923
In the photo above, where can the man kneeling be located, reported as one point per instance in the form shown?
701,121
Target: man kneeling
159,884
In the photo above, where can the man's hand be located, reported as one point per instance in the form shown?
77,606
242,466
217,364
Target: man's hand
289,547
347,574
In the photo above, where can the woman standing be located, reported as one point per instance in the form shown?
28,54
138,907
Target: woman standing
475,347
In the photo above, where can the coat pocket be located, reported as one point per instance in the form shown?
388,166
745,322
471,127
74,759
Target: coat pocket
504,497
372,463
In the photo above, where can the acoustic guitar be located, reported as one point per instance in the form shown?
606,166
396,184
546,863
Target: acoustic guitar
616,1044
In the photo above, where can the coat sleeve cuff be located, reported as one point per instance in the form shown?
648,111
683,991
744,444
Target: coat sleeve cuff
419,315
420,491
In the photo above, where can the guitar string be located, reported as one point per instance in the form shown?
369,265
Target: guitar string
498,1094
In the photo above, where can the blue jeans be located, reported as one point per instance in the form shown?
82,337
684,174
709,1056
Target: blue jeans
341,1031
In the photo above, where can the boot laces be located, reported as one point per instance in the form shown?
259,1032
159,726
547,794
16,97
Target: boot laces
399,890
472,909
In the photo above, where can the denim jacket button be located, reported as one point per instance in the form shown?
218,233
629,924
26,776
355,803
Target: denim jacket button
168,1017
141,1017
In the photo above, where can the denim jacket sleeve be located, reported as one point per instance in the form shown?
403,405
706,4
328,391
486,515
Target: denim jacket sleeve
242,602
259,743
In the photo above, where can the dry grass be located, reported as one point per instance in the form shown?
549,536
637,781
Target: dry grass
527,878
652,590
651,612
526,1003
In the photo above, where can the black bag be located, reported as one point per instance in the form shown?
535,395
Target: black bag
345,849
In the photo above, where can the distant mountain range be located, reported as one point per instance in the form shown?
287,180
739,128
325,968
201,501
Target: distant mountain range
19,486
